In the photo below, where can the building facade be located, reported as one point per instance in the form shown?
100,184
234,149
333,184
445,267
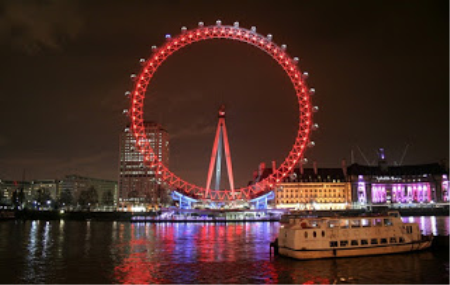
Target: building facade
320,189
9,187
398,185
138,184
310,188
78,190
50,188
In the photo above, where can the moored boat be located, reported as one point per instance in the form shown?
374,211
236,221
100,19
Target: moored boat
329,237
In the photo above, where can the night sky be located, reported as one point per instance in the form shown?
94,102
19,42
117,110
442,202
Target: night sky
380,69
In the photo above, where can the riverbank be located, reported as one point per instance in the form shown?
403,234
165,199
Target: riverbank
78,215
208,216
140,217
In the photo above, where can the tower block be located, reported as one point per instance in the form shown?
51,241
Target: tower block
220,142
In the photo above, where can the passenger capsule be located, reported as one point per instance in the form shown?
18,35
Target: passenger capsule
218,22
305,75
133,76
127,93
183,29
236,24
269,37
311,144
295,59
312,91
168,36
315,109
315,127
304,160
253,29
125,111
154,48
142,61
283,47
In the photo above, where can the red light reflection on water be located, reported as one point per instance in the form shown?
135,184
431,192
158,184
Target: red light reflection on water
136,269
195,253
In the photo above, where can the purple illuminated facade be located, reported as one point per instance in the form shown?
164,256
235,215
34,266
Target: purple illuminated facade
409,184
445,193
361,191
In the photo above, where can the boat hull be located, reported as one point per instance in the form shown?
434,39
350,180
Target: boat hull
353,252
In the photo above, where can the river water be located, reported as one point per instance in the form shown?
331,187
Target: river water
122,252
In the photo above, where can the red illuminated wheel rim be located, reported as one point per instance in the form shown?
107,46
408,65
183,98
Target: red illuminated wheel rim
236,33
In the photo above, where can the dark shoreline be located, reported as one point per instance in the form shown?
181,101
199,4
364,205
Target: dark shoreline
148,217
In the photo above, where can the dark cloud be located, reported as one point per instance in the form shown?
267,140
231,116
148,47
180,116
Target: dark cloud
31,26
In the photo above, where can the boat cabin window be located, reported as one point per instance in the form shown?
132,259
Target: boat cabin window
344,243
344,224
333,243
383,241
377,222
365,222
354,242
306,234
392,240
323,233
409,229
387,222
355,223
374,241
314,234
333,223
401,240
364,242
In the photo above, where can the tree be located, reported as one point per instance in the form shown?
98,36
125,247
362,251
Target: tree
83,198
66,197
88,197
108,198
42,196
18,197
93,195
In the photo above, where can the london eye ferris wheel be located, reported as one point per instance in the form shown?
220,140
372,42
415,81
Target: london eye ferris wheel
227,32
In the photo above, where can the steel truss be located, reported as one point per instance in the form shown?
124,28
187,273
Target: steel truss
219,31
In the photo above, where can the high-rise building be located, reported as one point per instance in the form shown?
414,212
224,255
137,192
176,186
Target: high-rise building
138,184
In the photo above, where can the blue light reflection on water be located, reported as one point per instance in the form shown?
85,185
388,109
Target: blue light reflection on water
120,252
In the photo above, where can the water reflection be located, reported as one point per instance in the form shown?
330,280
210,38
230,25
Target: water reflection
431,225
198,251
39,251
121,252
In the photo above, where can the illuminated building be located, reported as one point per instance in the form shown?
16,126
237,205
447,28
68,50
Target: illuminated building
49,186
137,183
311,188
398,185
7,188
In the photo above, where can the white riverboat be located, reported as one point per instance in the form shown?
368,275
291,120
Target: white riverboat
329,237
